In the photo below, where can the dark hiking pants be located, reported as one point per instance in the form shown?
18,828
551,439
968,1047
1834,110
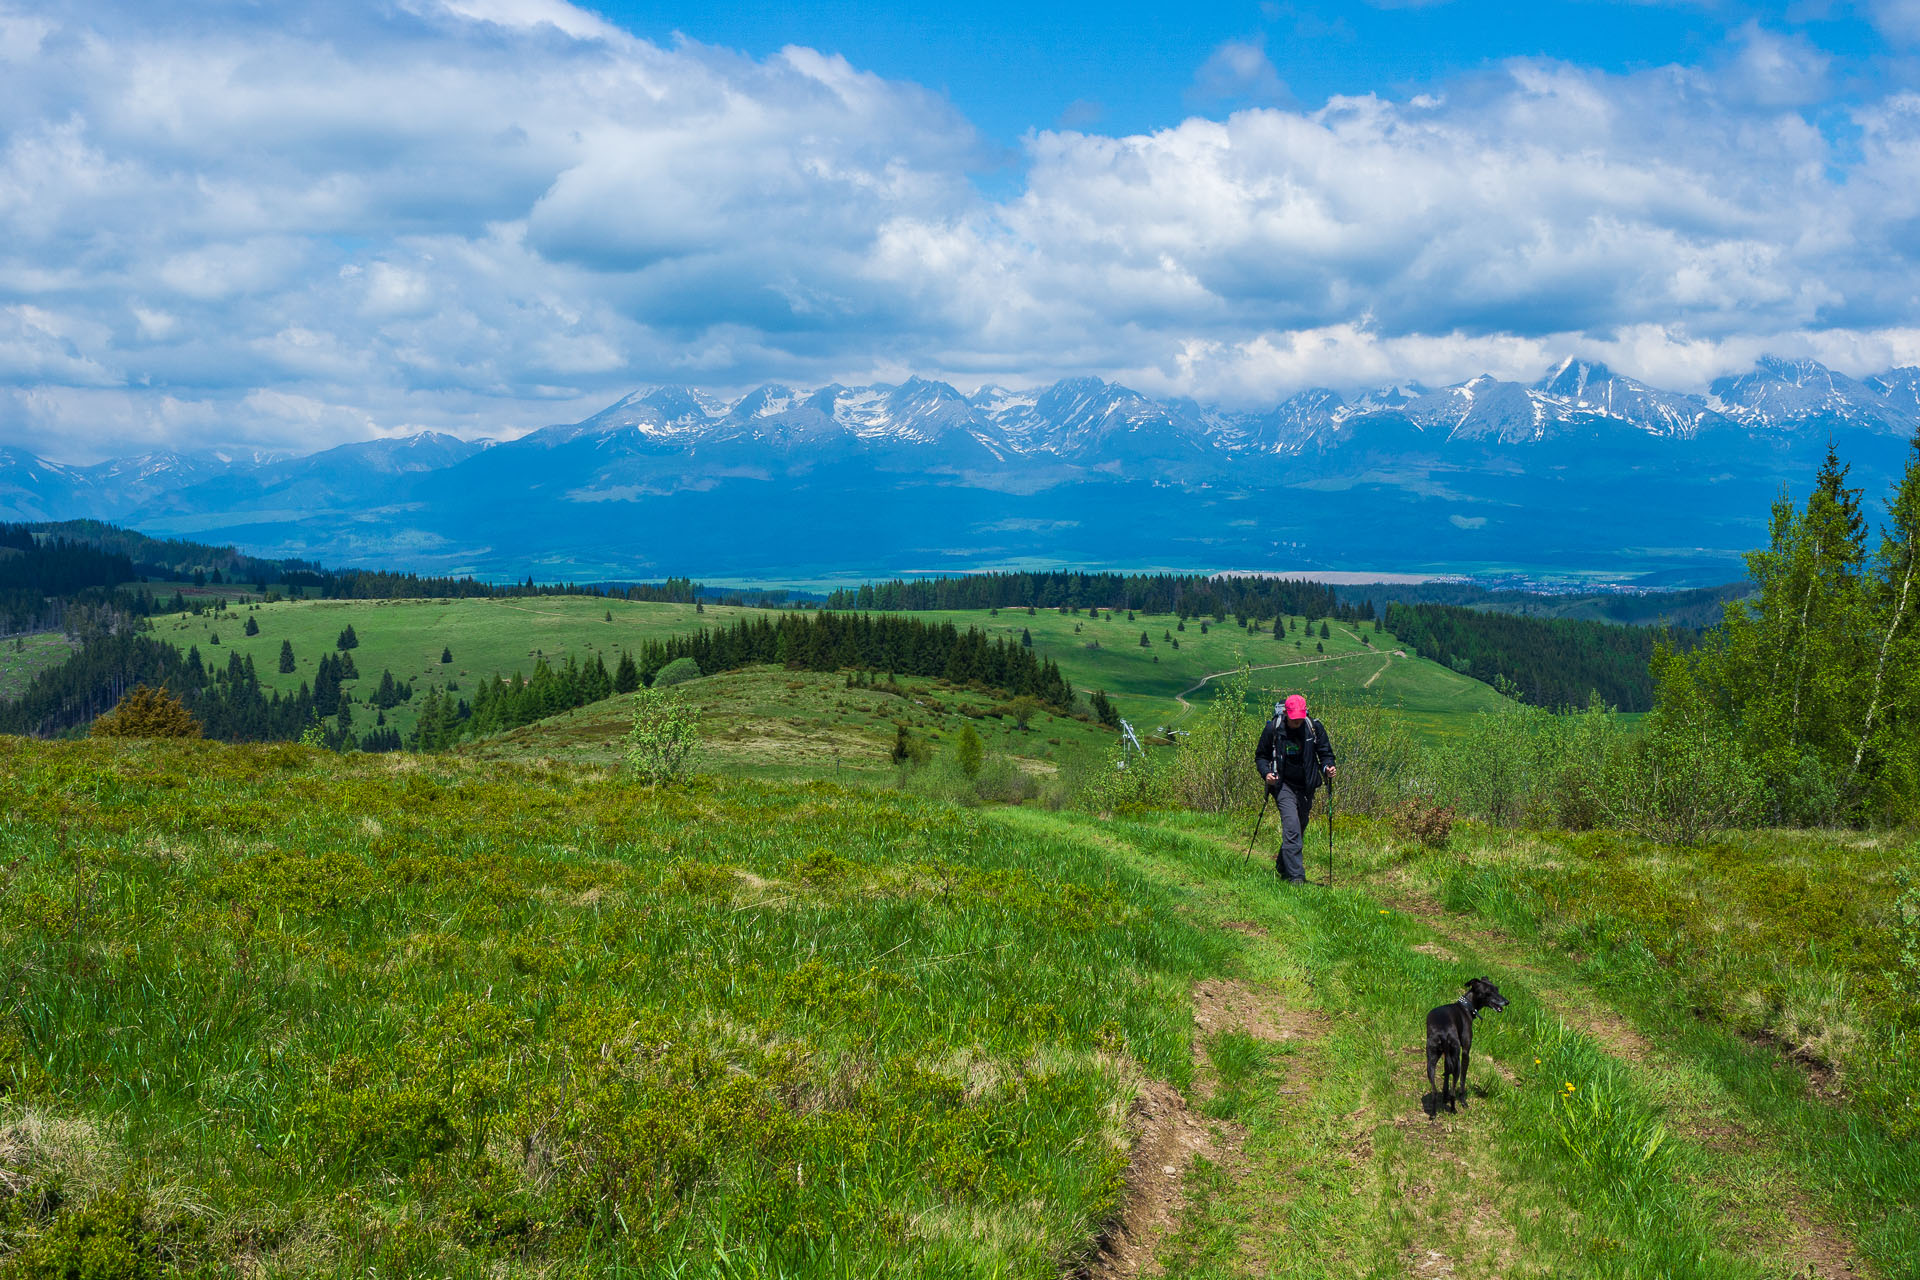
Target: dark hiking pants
1296,806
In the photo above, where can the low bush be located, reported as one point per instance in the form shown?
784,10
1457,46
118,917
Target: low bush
679,671
1426,824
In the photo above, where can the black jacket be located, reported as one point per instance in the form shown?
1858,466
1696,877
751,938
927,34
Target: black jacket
1318,754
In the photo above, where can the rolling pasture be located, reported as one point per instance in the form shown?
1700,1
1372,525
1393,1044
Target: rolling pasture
277,1012
503,636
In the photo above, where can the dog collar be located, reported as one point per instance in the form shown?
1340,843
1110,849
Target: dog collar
1466,1002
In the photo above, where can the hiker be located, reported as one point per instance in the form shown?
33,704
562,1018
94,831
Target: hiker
1294,757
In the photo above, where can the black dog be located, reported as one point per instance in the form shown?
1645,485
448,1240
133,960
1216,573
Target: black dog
1450,1033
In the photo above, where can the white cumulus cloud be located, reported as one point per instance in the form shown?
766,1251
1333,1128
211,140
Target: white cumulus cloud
292,224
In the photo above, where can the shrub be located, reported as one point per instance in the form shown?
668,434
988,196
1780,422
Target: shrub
1381,765
1427,824
147,713
113,1238
1129,782
1213,770
1689,776
1001,781
679,671
908,749
660,745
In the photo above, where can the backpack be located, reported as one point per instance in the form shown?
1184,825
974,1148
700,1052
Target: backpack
1278,725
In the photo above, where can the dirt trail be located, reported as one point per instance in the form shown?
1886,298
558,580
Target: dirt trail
1168,1135
1185,706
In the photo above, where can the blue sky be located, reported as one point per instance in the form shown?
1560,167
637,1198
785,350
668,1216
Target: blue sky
1133,67
295,224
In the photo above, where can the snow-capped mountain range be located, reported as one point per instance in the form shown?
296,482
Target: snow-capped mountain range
1081,418
1000,475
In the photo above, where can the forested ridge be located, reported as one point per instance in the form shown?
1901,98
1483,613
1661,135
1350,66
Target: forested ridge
1550,662
133,556
825,641
1186,595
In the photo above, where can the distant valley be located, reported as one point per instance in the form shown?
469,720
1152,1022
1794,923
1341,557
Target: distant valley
1583,474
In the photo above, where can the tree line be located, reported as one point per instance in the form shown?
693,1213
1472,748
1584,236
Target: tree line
229,702
1548,662
1186,595
822,641
133,556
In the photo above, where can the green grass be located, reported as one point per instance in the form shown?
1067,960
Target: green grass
390,1016
503,636
767,722
24,657
285,1013
406,637
1146,682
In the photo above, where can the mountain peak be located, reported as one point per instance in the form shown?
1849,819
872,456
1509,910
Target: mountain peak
1571,378
1799,372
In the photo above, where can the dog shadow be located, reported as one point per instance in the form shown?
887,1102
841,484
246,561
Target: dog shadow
1432,1106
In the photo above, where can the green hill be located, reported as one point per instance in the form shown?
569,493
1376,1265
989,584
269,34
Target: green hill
767,722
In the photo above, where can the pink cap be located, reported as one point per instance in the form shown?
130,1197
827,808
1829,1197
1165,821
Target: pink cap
1296,707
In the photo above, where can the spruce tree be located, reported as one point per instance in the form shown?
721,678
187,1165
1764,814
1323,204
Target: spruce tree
446,655
347,640
1144,642
326,687
286,657
1026,638
626,676
1326,633
968,751
253,625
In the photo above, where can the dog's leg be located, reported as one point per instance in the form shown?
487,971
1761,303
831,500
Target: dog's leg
1466,1057
1452,1075
1433,1056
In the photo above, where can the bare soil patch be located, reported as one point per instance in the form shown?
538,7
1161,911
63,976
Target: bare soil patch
1220,1004
1166,1137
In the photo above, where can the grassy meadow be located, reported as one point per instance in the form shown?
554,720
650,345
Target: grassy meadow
275,1012
503,636
24,657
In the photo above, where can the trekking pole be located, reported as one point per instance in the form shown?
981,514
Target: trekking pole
1252,840
1329,833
